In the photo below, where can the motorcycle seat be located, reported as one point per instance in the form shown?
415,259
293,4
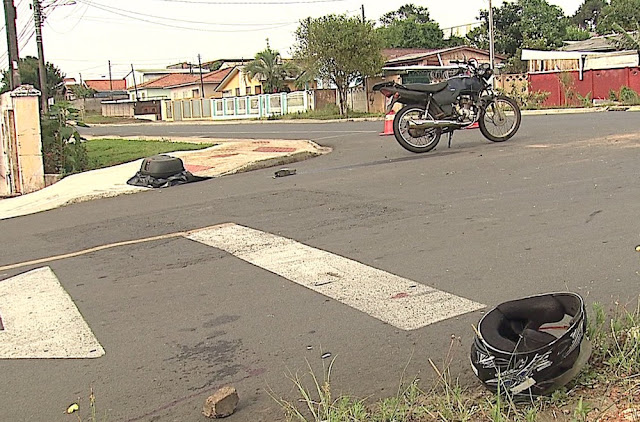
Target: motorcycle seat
437,87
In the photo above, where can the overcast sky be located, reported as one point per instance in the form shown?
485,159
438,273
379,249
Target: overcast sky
82,37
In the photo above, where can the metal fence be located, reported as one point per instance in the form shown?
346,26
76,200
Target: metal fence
250,107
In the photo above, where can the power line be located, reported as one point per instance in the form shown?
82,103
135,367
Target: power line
119,12
114,9
259,3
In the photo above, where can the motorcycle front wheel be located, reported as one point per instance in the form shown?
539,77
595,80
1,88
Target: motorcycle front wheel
414,140
500,120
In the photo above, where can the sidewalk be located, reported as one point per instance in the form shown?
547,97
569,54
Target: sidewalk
228,157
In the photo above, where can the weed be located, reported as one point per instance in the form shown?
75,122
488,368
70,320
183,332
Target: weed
581,411
628,96
75,409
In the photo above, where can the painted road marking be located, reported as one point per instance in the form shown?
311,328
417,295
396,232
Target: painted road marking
41,321
403,303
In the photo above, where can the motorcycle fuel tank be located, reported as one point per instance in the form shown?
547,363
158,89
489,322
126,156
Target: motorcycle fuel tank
456,86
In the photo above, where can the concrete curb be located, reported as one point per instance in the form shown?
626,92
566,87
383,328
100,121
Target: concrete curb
541,112
273,162
546,112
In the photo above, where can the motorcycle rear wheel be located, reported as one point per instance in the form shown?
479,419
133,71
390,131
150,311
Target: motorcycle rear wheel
500,120
418,144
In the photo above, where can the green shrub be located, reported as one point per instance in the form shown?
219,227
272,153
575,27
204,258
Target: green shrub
628,96
62,146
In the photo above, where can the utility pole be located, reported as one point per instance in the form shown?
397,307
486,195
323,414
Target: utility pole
110,80
362,8
12,43
491,47
135,86
42,69
201,80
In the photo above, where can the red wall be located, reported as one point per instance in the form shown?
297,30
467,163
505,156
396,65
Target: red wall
596,82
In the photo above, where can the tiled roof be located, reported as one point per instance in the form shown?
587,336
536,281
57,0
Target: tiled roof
104,85
394,53
401,55
217,76
171,79
180,79
602,43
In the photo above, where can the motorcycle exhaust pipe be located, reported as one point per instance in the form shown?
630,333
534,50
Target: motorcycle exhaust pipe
430,124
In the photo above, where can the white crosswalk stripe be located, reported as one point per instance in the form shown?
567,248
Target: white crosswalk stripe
403,303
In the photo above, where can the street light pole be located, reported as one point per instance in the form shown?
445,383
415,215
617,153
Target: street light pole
492,54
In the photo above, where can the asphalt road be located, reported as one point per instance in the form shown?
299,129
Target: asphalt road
555,208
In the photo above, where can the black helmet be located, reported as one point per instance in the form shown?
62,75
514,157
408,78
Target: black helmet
515,352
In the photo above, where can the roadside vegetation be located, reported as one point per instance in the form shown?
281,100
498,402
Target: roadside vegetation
607,389
326,113
94,118
110,152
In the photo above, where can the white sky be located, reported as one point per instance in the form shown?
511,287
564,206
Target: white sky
82,37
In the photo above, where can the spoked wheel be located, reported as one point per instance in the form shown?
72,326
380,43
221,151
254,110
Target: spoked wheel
500,120
414,140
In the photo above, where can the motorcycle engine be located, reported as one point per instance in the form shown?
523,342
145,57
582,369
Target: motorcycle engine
466,109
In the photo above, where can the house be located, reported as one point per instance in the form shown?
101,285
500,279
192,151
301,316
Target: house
192,88
140,76
108,88
159,88
237,83
397,57
569,75
67,88
421,65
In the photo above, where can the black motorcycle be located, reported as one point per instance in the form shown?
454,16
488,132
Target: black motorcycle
457,103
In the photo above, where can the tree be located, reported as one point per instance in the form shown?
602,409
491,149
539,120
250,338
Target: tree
543,26
587,15
410,27
524,24
29,74
270,69
625,13
339,49
421,14
82,91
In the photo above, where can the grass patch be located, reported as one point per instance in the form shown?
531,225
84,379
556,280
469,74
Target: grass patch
97,118
110,152
607,389
326,113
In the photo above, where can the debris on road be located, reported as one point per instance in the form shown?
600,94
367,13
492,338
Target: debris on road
326,355
221,404
284,172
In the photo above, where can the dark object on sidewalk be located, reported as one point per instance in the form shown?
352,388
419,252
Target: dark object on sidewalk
162,171
221,404
284,172
516,354
161,166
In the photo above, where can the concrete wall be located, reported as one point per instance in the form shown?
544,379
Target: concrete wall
88,104
512,82
118,109
324,97
21,166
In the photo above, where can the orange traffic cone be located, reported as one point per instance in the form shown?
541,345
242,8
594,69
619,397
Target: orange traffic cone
473,126
388,123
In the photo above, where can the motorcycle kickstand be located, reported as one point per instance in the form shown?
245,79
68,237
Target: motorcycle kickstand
450,136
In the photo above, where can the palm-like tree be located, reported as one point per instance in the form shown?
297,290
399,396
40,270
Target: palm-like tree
268,67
